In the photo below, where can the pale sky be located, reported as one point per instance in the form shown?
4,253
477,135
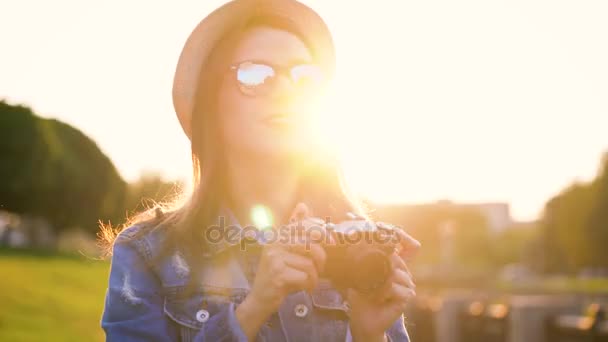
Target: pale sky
464,100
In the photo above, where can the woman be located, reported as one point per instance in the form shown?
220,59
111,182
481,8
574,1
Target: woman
244,85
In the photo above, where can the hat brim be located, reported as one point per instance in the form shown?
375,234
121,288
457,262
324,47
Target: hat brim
216,25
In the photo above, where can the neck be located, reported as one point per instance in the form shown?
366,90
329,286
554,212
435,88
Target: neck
256,181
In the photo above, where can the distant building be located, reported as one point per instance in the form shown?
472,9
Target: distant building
497,214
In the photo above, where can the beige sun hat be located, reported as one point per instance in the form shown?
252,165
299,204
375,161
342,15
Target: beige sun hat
212,28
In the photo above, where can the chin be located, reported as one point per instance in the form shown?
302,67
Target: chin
280,150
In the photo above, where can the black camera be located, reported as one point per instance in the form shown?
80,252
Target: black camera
359,257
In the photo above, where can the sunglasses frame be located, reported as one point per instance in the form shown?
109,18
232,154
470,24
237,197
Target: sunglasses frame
278,70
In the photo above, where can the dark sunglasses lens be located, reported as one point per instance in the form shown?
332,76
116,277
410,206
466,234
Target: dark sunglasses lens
252,76
306,74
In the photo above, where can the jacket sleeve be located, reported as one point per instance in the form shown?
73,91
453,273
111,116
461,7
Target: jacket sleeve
396,333
134,306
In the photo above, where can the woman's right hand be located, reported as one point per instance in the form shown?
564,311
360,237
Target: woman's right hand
286,265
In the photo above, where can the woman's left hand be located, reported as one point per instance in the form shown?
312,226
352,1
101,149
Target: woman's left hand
372,314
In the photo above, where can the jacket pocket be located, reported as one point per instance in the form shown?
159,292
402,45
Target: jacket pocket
330,313
326,297
192,312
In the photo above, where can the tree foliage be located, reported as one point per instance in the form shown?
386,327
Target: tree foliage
575,225
596,228
150,189
52,170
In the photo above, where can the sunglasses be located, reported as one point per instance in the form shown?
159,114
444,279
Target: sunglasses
260,79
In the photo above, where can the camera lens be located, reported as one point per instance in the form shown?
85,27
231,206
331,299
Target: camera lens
370,270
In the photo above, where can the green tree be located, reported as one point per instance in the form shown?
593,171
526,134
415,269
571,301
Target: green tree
565,216
596,228
52,170
515,244
150,189
575,226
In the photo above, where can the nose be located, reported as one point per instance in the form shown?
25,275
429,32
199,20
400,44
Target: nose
287,94
283,88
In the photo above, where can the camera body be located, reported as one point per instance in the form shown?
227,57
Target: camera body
359,256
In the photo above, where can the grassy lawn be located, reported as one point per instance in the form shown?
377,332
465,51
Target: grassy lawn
50,297
53,297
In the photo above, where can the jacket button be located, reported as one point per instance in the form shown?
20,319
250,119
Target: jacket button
202,316
301,310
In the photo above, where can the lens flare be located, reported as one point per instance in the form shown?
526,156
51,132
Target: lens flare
261,217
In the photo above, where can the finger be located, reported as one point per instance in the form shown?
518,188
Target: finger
406,239
303,264
298,248
294,280
315,229
300,212
318,255
399,277
309,229
311,221
401,293
407,244
403,278
312,251
398,262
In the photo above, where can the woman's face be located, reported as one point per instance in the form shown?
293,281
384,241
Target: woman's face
271,125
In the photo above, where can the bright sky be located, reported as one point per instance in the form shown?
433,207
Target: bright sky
465,100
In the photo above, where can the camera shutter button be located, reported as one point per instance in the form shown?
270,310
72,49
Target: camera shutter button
301,310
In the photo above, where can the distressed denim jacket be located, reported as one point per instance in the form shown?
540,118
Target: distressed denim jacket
148,302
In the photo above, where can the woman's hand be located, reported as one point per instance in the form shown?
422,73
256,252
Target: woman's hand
286,265
371,315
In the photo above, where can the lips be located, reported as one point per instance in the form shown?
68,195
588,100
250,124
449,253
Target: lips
278,119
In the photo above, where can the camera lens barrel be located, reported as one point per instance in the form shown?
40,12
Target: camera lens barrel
369,270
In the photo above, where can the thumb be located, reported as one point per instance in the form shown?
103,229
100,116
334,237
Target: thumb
300,212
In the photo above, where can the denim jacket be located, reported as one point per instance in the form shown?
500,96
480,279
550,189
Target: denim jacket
147,302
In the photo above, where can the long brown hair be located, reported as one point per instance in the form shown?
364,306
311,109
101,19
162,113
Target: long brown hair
185,218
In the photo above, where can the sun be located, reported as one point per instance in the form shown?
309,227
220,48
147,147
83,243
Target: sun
346,126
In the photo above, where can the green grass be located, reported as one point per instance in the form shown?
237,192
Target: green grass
55,297
50,297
